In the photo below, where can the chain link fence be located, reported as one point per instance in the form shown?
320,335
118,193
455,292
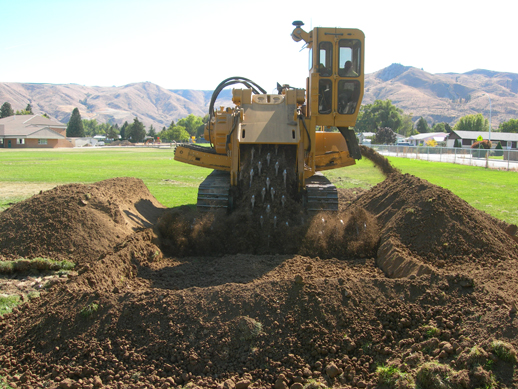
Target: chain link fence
493,159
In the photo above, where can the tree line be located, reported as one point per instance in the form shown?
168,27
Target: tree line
386,120
6,110
381,117
136,132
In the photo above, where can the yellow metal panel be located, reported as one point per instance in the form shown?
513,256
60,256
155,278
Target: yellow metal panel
201,158
331,151
269,120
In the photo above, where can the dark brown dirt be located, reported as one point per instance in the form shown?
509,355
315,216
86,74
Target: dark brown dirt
405,274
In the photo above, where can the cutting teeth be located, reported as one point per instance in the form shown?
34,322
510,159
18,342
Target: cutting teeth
268,157
261,220
268,209
263,193
259,166
272,192
267,183
283,200
252,159
285,174
277,168
251,176
253,201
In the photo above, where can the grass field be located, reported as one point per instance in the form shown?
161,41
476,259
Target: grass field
23,173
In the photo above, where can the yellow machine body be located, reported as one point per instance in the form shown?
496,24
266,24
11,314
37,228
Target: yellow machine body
331,101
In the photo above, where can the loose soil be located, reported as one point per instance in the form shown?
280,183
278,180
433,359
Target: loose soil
405,275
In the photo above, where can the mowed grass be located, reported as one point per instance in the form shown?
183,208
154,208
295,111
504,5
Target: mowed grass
174,183
491,191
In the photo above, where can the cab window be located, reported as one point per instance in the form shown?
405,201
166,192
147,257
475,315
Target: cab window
348,96
349,58
325,95
325,58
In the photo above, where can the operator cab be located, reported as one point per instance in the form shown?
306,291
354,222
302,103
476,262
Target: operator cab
339,83
336,73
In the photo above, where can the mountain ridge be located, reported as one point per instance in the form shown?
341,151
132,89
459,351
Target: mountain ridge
436,97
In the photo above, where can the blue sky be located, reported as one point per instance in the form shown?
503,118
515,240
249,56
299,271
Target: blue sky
196,44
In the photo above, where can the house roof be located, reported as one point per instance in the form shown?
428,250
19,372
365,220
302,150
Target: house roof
30,126
495,136
429,135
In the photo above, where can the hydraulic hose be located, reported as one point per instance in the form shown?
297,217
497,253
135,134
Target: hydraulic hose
256,89
301,117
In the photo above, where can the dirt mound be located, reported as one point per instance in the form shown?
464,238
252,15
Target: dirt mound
234,305
432,225
77,222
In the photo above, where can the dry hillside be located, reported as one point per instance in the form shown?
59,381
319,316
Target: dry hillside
445,97
437,97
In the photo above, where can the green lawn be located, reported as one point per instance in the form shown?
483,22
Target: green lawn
171,182
174,183
492,191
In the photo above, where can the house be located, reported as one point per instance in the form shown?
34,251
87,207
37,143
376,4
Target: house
508,140
421,139
32,131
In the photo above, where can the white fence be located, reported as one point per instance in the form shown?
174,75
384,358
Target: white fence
508,160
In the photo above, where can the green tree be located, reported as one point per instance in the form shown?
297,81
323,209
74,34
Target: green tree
75,125
123,131
509,126
6,110
379,114
385,136
136,132
441,127
176,133
91,127
152,132
407,126
191,124
29,109
422,126
457,143
476,122
112,133
22,112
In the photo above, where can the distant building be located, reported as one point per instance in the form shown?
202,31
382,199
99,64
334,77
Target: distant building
32,131
508,140
421,139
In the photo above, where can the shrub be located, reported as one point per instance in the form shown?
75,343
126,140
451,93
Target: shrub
8,303
392,377
499,150
433,375
90,309
431,331
503,350
481,146
40,264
